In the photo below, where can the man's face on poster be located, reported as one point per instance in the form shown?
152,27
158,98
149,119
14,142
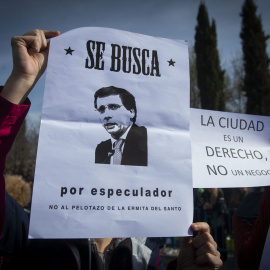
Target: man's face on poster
114,117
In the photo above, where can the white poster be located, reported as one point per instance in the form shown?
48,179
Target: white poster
229,149
114,153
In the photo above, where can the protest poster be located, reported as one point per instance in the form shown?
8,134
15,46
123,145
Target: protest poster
229,149
93,77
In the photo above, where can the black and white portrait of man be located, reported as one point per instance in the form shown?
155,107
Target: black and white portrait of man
117,113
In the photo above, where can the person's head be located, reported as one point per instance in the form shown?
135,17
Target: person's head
117,109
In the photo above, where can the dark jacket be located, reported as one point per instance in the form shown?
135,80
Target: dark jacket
135,149
19,252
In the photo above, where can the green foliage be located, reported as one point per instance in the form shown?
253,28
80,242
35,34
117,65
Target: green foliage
210,76
194,90
256,83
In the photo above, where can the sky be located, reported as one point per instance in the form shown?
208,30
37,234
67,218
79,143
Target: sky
174,19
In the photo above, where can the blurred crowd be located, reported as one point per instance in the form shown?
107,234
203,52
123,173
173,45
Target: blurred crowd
232,214
217,206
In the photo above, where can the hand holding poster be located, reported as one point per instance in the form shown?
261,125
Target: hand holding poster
229,149
114,155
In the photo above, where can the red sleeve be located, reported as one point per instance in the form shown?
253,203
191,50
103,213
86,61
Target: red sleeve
11,118
250,238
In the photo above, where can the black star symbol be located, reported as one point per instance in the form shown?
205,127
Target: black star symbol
69,51
171,63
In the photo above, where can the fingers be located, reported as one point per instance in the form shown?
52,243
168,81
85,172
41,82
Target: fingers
205,246
51,34
186,241
207,253
202,238
39,42
213,262
30,51
204,242
30,56
35,40
200,226
47,34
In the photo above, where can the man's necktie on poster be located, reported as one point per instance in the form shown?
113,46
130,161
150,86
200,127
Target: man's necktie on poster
117,157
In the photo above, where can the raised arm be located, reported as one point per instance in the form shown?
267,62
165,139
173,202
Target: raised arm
30,56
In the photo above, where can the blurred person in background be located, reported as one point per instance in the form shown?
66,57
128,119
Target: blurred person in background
215,207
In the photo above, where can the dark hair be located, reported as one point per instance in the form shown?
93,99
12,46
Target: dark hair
128,100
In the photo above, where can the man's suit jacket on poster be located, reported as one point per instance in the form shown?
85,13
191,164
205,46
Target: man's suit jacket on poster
135,148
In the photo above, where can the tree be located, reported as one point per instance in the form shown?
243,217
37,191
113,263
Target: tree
210,76
256,83
234,96
22,156
18,155
194,90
